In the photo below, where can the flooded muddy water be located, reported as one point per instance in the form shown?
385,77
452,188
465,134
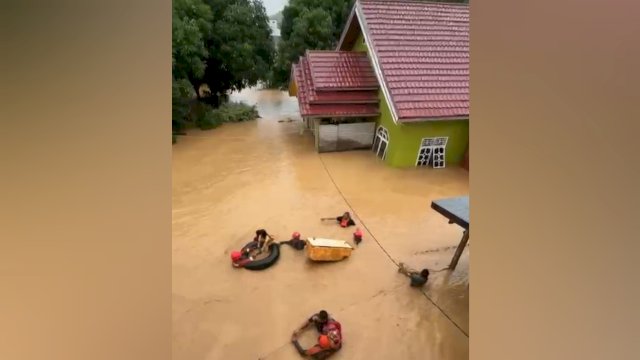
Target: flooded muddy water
232,180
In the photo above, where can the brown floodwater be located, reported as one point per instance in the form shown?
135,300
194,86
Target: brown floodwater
232,180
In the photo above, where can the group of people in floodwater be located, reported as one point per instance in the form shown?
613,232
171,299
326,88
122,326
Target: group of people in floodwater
329,329
262,240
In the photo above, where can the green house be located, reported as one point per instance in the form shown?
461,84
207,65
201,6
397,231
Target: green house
409,102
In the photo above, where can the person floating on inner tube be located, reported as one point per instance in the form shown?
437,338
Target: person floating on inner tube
344,220
295,241
263,240
329,341
418,278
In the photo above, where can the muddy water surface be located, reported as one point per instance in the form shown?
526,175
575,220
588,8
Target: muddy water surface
232,180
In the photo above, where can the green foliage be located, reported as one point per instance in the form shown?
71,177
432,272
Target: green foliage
236,112
191,26
206,117
307,25
225,44
241,49
209,120
311,30
181,96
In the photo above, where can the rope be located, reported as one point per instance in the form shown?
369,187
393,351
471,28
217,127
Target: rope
354,212
444,313
382,247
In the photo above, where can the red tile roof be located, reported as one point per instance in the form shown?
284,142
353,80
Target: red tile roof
341,70
338,85
422,50
317,103
339,97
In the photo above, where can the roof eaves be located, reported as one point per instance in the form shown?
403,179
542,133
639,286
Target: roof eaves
364,115
422,119
374,59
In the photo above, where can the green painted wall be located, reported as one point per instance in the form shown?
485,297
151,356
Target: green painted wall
360,45
405,139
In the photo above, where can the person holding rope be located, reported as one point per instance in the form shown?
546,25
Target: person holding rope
329,341
418,278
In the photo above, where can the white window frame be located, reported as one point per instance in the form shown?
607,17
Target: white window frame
433,143
382,134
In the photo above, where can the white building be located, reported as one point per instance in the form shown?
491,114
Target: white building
275,30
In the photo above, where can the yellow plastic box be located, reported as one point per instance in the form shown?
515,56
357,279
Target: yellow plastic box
328,249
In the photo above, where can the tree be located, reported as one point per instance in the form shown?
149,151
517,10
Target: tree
191,25
308,24
312,30
225,44
240,47
181,95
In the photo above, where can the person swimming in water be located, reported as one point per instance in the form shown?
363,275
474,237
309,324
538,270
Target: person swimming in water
329,341
344,220
295,241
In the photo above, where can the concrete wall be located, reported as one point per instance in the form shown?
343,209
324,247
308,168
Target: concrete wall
344,136
327,138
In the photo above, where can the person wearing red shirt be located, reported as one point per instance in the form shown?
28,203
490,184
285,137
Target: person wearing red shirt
329,341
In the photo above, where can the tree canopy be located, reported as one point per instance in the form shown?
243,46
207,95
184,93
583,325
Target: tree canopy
241,49
224,44
308,25
191,26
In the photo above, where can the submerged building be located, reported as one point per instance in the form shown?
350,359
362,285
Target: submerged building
398,83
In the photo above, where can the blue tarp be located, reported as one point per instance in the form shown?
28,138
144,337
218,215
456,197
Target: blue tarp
455,209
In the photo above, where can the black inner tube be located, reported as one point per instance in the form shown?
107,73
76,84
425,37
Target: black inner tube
261,264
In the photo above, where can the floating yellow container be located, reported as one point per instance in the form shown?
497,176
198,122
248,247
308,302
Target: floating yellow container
327,249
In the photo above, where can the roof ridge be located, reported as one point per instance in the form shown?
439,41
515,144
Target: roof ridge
332,51
417,2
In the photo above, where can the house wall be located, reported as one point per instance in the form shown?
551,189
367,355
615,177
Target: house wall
327,138
465,161
360,45
405,139
293,87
